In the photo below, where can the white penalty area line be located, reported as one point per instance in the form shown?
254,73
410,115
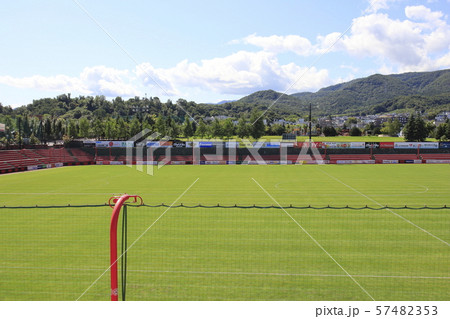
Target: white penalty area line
140,236
316,242
390,210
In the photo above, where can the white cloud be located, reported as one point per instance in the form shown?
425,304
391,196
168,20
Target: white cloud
240,73
376,35
51,83
107,81
414,44
423,13
97,80
278,44
377,5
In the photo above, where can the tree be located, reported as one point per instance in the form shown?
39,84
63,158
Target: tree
72,130
228,128
391,128
84,126
216,129
34,140
48,129
97,128
135,127
242,129
201,129
355,131
172,128
122,128
188,131
441,131
257,128
415,130
110,128
160,126
329,131
26,127
277,129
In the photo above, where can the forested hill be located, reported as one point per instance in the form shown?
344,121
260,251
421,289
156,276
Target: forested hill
419,91
416,91
380,93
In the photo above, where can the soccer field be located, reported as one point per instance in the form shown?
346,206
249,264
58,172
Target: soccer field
180,253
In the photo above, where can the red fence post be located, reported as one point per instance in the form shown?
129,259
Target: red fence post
118,201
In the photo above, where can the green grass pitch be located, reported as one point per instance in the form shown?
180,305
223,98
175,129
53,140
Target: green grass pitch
230,254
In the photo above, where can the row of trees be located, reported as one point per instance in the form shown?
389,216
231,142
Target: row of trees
35,130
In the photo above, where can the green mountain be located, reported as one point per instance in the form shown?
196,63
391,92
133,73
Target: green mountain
419,91
422,91
362,95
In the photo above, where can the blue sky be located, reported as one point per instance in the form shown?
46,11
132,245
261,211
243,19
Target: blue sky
207,51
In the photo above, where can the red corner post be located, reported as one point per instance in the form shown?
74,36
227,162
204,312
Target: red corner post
118,202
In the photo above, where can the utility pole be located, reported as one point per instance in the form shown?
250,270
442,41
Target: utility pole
310,125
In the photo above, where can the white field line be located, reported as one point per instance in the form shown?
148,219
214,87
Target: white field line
390,210
237,273
316,242
140,236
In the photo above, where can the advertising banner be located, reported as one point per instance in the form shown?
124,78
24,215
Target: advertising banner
429,145
116,163
433,161
287,144
102,144
357,145
165,143
306,145
257,144
337,145
390,161
373,145
215,162
178,162
313,162
179,144
121,144
386,144
444,144
32,167
154,144
89,143
414,145
405,145
272,145
273,162
355,162
203,144
59,164
188,144
413,161
231,144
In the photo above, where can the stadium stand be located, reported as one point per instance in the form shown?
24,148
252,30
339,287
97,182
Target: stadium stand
80,155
